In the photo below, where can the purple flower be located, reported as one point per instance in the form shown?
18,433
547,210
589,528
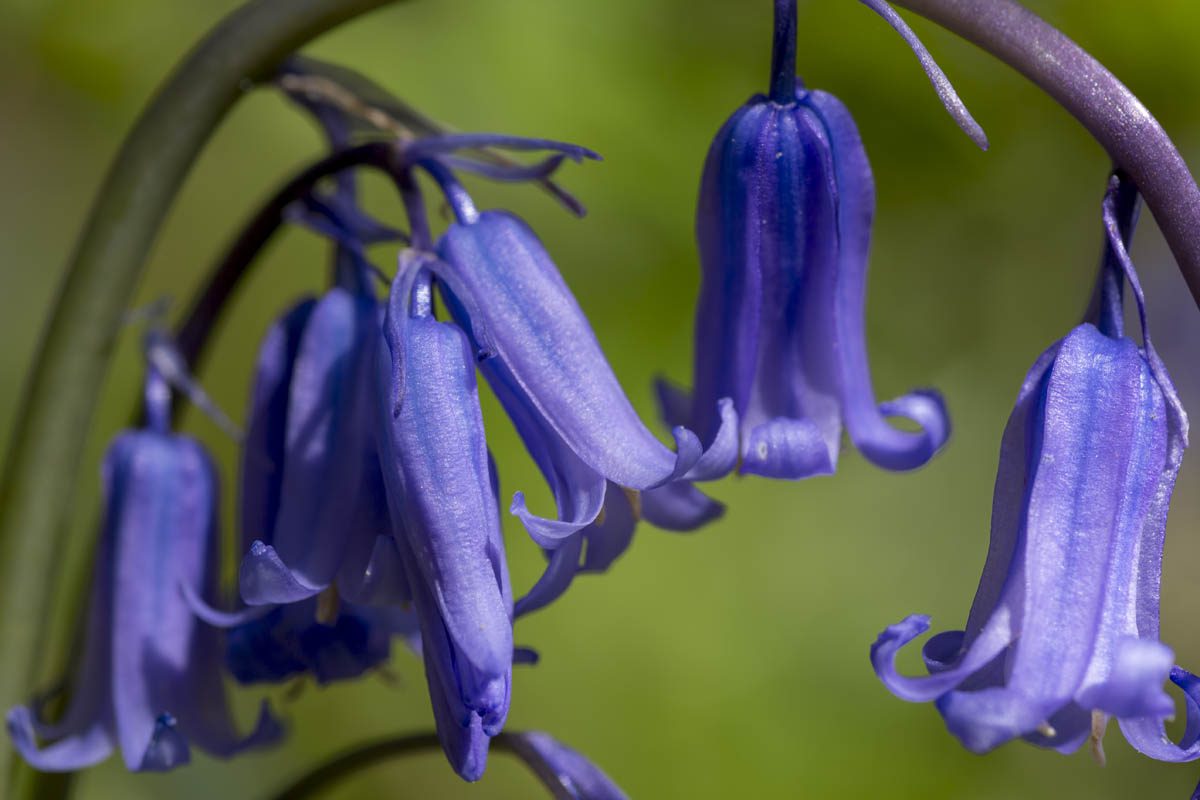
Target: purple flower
580,778
784,227
441,494
545,365
326,446
360,558
150,679
1063,632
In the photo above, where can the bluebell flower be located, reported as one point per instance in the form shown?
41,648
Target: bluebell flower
783,227
1064,630
150,680
362,562
441,491
579,777
543,361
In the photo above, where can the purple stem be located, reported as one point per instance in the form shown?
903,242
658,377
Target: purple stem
1111,113
783,53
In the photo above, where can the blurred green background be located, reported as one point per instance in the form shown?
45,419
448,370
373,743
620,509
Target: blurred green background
731,662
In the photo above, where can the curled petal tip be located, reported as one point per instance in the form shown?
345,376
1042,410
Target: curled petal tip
264,578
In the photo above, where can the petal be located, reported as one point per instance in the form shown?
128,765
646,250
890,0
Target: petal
1014,476
578,490
544,339
460,728
266,424
382,581
79,750
719,459
371,572
439,486
1074,524
164,531
728,310
787,448
264,579
1149,737
679,506
883,658
326,439
581,779
846,340
1133,686
608,538
674,403
560,570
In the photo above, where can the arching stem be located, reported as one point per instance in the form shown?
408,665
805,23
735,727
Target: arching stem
52,422
1111,113
368,755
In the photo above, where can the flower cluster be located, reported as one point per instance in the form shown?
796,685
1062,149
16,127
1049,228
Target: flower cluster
370,504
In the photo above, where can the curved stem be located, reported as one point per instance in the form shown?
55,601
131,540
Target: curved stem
52,422
364,756
1110,112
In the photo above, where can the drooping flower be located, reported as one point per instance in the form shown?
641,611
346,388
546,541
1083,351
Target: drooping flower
543,361
579,777
783,227
1064,632
302,637
441,494
150,679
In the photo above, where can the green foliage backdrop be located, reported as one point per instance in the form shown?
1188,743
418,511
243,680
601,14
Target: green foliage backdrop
731,662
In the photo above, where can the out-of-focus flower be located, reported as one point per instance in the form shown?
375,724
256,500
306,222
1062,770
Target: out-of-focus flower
1064,630
149,681
784,227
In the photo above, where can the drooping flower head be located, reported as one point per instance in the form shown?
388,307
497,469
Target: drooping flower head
441,496
1064,630
784,227
149,682
543,361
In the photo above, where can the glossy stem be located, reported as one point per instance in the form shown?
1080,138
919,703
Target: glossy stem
783,53
52,422
1111,113
365,756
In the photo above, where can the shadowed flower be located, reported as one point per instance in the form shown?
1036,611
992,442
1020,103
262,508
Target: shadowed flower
150,677
784,227
348,636
1064,630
